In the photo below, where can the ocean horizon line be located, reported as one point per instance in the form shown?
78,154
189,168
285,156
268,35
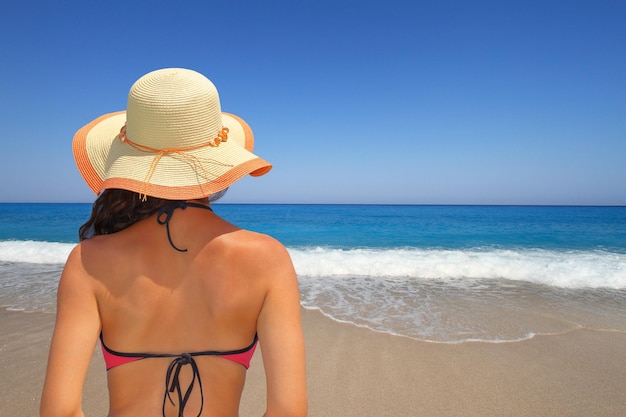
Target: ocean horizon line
357,204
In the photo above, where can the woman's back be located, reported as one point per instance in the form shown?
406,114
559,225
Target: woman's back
155,299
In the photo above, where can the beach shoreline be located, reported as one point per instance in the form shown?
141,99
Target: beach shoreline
353,371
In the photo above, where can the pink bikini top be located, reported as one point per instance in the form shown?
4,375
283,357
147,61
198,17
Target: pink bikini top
114,358
243,356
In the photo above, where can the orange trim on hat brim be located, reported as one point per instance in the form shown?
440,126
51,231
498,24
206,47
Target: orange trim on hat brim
79,148
254,167
249,145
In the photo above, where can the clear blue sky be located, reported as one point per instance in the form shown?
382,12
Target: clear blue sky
353,101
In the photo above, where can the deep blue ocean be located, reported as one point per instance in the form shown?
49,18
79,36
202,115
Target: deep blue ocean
439,273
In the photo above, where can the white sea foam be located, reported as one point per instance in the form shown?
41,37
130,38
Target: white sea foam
457,296
564,269
35,252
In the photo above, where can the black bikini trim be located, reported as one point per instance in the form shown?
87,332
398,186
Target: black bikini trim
168,211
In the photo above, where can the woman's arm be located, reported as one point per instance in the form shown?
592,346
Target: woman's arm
282,343
73,342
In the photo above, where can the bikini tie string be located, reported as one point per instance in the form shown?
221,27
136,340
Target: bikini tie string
165,213
172,383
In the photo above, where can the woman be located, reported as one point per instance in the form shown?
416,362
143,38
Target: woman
177,296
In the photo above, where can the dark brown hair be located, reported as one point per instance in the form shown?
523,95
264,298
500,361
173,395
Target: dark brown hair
115,210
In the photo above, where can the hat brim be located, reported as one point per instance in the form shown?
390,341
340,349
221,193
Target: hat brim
104,161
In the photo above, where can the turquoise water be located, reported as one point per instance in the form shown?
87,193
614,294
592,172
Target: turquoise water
374,226
448,227
439,273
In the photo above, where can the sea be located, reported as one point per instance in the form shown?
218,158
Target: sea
442,274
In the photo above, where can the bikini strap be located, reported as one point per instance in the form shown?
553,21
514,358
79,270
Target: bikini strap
172,383
165,213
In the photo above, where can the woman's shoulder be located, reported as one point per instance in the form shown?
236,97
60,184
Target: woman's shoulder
251,243
254,251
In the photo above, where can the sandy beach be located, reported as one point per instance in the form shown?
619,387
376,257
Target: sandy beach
357,372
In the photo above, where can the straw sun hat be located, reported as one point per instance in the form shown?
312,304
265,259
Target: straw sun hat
172,142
